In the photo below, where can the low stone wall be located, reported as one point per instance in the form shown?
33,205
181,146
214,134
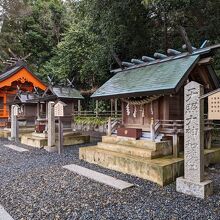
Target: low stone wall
101,128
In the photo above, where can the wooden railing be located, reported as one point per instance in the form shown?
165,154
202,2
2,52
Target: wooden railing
175,128
171,126
112,125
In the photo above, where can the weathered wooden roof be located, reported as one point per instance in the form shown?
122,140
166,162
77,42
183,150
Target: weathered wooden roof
67,92
62,92
25,97
160,78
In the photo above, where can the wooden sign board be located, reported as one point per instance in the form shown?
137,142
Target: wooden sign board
59,109
214,106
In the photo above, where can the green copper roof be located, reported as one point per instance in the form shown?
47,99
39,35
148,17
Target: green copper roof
163,77
67,92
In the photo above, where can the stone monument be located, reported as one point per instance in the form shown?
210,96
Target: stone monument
193,182
14,123
51,128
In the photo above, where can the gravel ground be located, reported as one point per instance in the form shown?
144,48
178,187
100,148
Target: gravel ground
33,185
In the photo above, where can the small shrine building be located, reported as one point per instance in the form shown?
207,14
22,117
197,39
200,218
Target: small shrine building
16,76
151,90
149,138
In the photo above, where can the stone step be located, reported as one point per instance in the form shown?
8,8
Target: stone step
128,150
149,144
6,132
161,170
147,135
40,142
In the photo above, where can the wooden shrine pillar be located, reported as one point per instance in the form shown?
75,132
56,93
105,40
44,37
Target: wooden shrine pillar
116,107
111,103
4,105
97,108
46,109
38,110
122,112
166,108
79,107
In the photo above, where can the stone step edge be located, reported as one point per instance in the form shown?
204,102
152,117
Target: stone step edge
153,145
129,146
132,139
151,153
160,169
136,158
28,136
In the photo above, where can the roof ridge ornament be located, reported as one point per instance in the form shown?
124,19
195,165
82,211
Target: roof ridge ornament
172,52
137,61
127,64
148,59
50,80
70,83
204,44
160,56
15,60
188,44
118,61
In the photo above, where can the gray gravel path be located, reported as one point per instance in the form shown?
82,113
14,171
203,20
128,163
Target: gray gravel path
33,185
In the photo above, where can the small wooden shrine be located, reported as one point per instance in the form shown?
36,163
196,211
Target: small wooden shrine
56,94
151,92
67,94
16,76
70,96
28,107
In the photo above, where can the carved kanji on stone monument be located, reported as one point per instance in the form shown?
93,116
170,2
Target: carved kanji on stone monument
193,132
193,181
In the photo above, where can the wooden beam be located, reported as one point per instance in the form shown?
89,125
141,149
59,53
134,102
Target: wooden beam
186,39
205,61
175,146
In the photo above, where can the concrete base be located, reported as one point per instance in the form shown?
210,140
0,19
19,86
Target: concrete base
160,170
40,135
200,190
145,159
40,141
6,132
51,149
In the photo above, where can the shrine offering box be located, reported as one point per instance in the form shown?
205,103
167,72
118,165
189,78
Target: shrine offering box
39,128
129,132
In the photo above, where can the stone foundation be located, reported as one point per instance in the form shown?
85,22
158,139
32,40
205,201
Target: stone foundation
201,189
6,132
142,158
40,141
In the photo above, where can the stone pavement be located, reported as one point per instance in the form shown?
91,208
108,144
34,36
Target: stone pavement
34,185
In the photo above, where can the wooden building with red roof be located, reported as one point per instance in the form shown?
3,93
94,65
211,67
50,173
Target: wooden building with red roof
16,77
